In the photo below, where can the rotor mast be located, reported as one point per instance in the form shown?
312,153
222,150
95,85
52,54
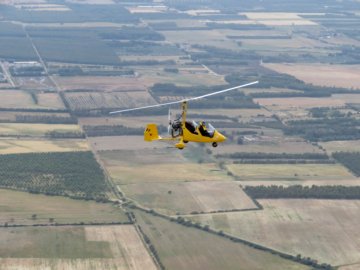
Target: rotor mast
183,115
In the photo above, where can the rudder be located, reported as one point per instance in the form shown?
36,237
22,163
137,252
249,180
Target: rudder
151,133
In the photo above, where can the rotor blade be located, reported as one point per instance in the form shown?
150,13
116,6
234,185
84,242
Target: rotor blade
146,107
181,101
223,91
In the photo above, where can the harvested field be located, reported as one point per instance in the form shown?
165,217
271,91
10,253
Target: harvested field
18,208
349,98
307,182
289,171
122,119
126,174
189,197
185,77
100,83
16,146
278,18
158,165
50,100
293,44
134,57
15,129
10,116
299,102
291,147
269,90
211,37
17,99
327,75
124,242
100,247
34,83
147,9
113,143
95,100
325,230
341,146
354,266
180,247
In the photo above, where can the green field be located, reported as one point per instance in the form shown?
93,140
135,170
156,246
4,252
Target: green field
180,247
19,207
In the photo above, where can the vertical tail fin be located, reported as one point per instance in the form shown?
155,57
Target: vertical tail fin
151,133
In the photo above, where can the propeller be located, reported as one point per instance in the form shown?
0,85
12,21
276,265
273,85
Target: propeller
169,118
188,99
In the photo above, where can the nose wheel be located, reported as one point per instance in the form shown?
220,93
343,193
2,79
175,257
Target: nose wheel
214,144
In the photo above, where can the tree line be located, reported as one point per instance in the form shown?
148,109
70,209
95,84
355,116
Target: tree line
277,158
325,129
260,155
303,192
46,119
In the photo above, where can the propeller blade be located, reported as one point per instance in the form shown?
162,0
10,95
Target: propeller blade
181,101
169,116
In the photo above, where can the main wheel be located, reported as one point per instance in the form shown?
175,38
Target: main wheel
214,144
186,141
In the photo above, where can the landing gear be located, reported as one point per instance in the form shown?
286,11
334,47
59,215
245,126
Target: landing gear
214,144
186,141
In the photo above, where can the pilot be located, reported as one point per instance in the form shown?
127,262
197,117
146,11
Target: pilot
202,129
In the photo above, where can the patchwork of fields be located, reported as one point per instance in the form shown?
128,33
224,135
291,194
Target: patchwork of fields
116,247
80,189
322,229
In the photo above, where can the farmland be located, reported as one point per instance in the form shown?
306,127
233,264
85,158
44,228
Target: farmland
107,83
23,100
334,75
17,129
302,223
288,172
338,146
190,197
129,166
81,189
54,174
187,248
83,100
300,102
15,146
75,247
19,207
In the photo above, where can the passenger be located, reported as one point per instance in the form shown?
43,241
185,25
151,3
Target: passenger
203,130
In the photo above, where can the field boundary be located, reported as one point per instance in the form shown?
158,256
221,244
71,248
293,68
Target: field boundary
188,223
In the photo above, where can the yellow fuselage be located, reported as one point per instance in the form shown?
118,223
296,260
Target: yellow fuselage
191,137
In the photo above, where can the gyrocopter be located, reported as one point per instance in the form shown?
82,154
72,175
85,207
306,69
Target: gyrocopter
183,130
